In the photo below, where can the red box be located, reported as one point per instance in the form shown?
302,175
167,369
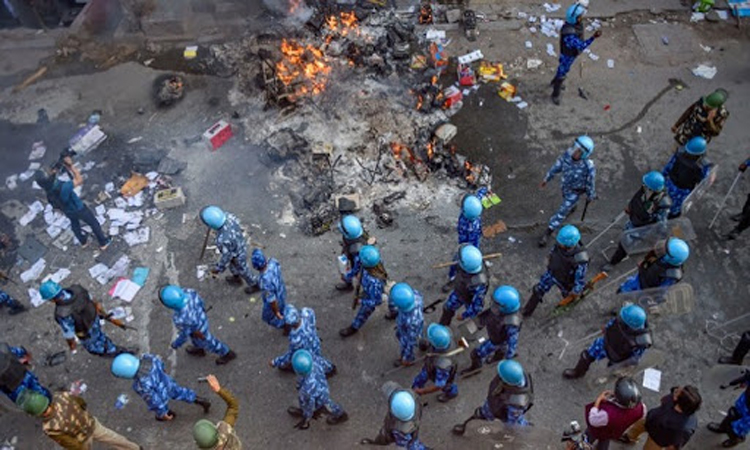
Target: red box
217,135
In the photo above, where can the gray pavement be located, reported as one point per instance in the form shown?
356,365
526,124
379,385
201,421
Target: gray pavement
518,145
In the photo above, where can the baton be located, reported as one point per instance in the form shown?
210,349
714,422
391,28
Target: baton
724,200
585,208
205,243
453,263
617,219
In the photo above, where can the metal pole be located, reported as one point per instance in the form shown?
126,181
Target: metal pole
617,219
724,200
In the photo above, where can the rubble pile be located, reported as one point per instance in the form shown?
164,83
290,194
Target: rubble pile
352,104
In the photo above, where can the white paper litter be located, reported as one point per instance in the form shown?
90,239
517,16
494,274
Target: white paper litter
34,210
121,203
34,271
476,55
136,200
35,298
97,270
58,276
705,48
37,150
125,290
200,272
697,17
26,175
114,231
152,175
119,269
552,8
139,236
11,182
593,56
723,15
53,231
109,187
135,139
532,30
652,379
528,44
611,63
88,166
551,50
705,71
522,105
100,210
435,35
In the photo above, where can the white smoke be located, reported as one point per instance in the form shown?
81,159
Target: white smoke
294,11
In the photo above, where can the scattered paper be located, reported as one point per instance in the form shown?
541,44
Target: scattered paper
723,15
140,236
705,71
152,175
140,274
697,17
53,231
522,105
611,63
121,203
11,182
201,271
135,139
705,48
652,379
435,35
34,210
35,298
58,276
468,58
34,271
37,150
125,290
551,50
533,63
100,210
119,269
97,270
109,187
529,44
552,8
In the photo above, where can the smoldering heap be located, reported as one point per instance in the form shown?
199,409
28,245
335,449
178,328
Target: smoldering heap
350,103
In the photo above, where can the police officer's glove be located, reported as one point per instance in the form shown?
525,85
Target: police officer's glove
303,424
743,167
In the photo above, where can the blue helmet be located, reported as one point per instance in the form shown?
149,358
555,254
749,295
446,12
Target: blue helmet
125,365
696,146
471,207
511,372
573,12
173,297
507,299
677,252
291,315
302,362
403,405
258,259
470,259
439,336
213,216
49,290
402,296
350,227
634,316
586,144
568,236
654,180
370,256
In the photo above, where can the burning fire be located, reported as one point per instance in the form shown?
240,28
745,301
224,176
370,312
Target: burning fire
430,150
342,25
304,68
425,14
399,149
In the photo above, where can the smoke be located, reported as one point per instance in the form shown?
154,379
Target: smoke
295,12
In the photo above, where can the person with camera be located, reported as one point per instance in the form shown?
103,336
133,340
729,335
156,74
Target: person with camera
612,413
62,196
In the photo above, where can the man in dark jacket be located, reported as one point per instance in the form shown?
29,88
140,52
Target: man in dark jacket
672,424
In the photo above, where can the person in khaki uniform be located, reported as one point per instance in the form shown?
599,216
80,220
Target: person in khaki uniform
222,435
66,421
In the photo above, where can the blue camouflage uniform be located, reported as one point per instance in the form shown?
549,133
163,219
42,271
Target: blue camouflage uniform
273,290
679,195
192,318
469,232
510,345
409,328
442,380
156,388
233,248
633,283
578,177
371,296
96,343
566,62
741,425
407,441
596,350
476,304
314,394
7,300
304,337
547,281
515,415
30,381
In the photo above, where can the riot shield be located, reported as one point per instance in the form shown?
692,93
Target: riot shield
677,299
721,376
700,190
492,435
643,239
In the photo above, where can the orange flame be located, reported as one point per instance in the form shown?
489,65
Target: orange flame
303,65
430,150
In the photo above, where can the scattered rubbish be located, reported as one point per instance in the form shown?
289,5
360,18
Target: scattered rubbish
705,71
491,71
140,274
134,185
466,76
521,105
582,94
493,230
445,133
665,40
135,139
697,17
37,150
11,182
121,401
533,63
652,379
705,48
191,51
552,8
592,55
639,129
87,139
168,89
125,290
507,91
231,318
217,135
169,198
78,387
723,15
58,276
551,50
35,298
201,271
607,107
148,62
435,35
512,240
33,272
139,236
611,63
528,44
476,55
55,359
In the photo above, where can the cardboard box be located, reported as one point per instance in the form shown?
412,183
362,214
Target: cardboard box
169,198
217,135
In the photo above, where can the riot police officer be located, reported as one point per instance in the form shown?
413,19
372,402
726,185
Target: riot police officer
354,238
401,425
685,169
470,285
503,322
438,368
661,267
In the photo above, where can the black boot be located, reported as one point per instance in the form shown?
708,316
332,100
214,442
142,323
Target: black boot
16,308
476,363
233,279
335,420
195,351
348,331
333,372
445,398
715,427
739,351
252,289
531,305
581,368
556,88
294,411
447,317
221,360
391,315
344,286
202,401
732,441
460,429
542,242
